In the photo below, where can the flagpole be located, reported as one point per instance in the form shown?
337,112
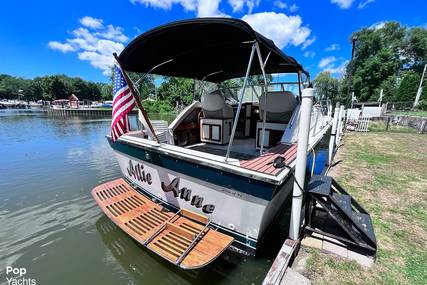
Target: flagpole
134,93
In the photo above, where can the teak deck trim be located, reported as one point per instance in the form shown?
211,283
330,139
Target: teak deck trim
183,238
263,163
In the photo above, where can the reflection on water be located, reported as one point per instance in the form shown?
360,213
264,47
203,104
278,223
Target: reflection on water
50,224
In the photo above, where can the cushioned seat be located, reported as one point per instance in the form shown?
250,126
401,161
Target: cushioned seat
280,105
215,107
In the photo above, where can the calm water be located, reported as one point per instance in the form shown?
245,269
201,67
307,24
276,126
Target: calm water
50,225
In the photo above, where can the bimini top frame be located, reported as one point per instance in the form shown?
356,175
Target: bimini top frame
197,47
209,47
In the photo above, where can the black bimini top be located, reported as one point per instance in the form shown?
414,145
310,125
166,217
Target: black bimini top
203,46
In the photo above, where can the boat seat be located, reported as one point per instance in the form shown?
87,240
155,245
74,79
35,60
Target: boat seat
278,110
215,107
215,126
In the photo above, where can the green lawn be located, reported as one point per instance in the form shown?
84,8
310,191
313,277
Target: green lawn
411,113
387,173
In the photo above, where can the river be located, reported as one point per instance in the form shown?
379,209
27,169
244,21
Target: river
50,225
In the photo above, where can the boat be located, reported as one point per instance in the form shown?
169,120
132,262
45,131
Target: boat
223,170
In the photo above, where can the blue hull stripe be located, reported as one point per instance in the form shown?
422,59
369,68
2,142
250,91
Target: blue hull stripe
212,175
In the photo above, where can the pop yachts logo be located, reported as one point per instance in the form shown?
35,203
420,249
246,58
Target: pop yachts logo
16,276
185,194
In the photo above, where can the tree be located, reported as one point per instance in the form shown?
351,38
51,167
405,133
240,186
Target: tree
326,86
408,87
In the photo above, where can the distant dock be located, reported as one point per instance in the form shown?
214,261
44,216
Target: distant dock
101,112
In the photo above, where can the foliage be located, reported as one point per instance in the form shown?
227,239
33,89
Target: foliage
390,58
326,85
408,87
51,88
422,105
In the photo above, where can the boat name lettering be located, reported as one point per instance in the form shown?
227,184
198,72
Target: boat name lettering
185,194
139,173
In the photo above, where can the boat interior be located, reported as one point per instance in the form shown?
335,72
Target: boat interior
266,127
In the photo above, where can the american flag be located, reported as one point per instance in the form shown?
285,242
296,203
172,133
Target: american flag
123,103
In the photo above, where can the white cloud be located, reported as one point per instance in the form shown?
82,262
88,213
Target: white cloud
364,4
309,54
343,4
280,4
333,47
62,47
203,8
238,5
91,22
337,70
189,5
209,8
282,29
326,61
377,26
308,42
96,47
293,8
113,33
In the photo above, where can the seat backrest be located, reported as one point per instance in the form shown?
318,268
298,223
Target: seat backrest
279,107
215,107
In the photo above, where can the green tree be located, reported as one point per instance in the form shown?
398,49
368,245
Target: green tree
408,87
326,86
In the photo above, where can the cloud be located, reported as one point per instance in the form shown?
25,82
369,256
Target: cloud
203,8
343,4
90,22
293,8
113,33
94,43
333,47
309,54
308,42
364,4
337,70
189,5
377,26
329,64
62,47
238,5
326,61
209,8
282,29
280,4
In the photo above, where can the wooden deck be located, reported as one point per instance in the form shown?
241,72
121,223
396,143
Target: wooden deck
183,238
263,163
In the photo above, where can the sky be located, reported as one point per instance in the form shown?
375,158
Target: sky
77,37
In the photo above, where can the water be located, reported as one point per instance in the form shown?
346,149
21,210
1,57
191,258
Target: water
50,224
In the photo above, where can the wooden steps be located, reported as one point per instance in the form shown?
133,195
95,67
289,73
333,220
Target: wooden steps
184,238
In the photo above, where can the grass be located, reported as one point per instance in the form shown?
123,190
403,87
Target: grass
387,173
411,113
380,126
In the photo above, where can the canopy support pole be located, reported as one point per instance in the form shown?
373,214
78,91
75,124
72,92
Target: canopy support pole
262,64
236,117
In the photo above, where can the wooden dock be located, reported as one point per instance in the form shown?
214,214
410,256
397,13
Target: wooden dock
63,112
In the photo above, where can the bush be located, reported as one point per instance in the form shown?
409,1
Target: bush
422,105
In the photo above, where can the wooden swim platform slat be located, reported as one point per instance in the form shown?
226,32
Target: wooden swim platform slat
262,163
183,238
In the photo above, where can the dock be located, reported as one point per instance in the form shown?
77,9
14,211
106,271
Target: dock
99,112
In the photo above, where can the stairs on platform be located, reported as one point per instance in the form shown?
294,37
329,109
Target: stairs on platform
333,212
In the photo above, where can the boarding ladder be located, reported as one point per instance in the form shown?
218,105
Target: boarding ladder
332,212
